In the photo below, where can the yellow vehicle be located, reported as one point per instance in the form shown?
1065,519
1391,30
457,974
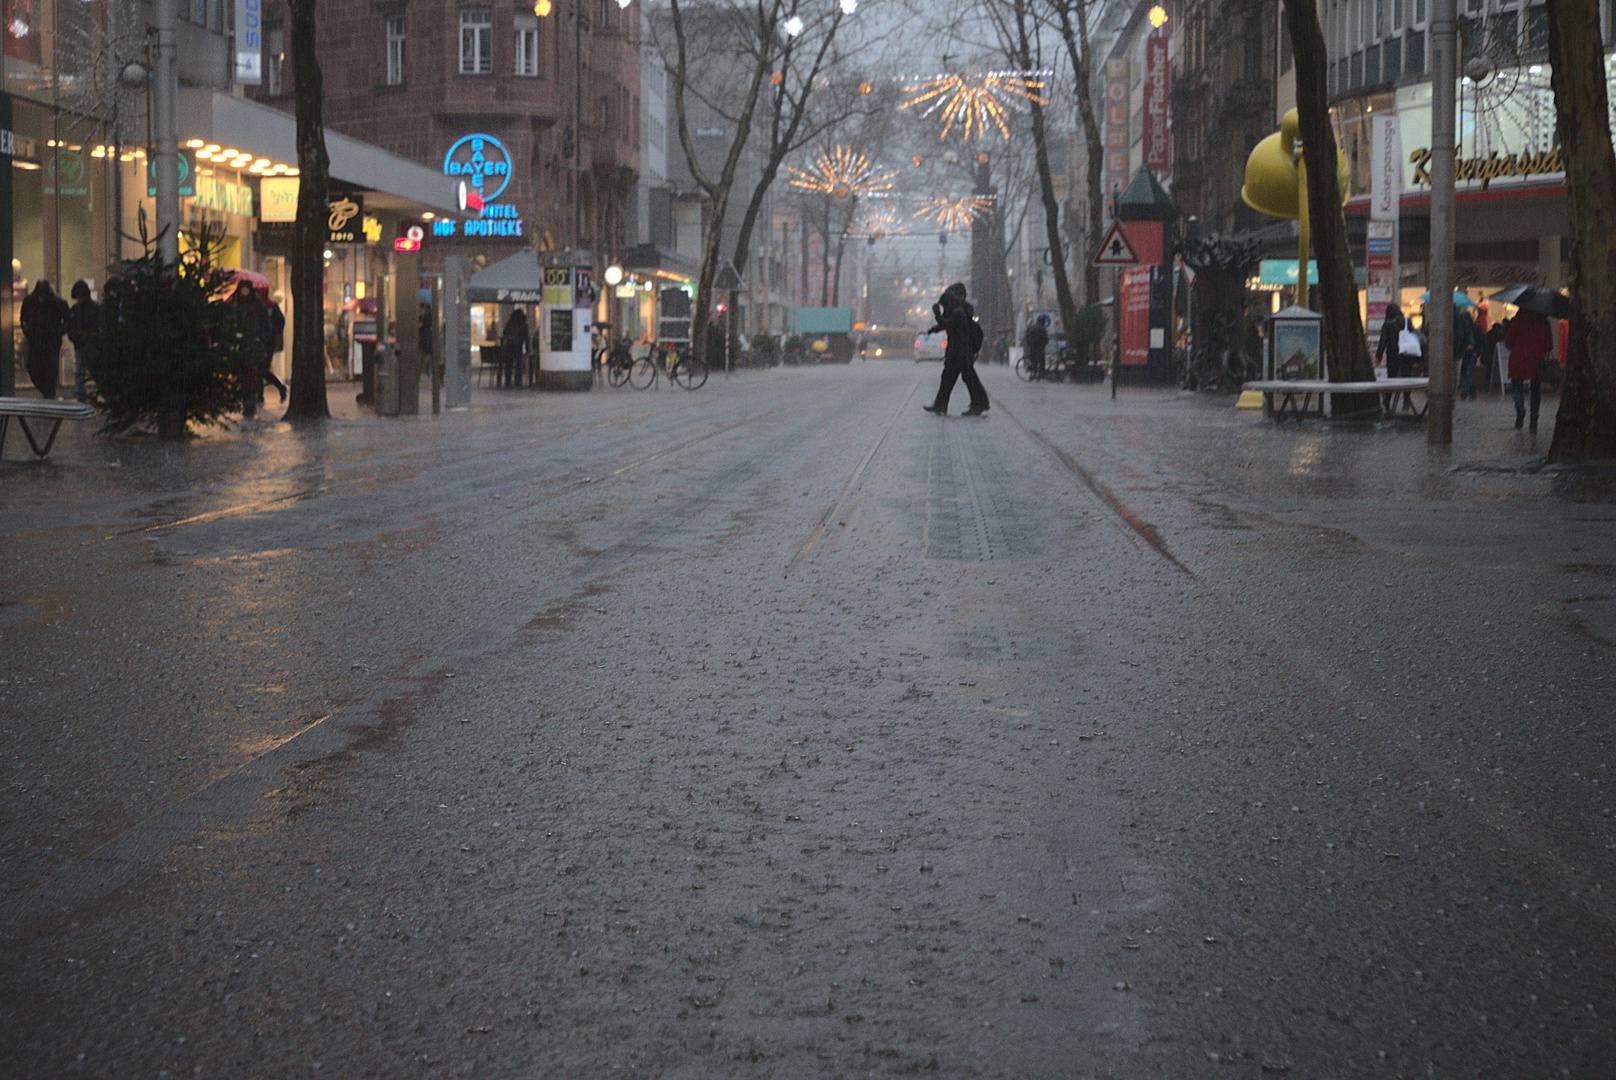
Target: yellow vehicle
888,343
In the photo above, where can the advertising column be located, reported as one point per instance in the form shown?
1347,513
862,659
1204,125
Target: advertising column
565,356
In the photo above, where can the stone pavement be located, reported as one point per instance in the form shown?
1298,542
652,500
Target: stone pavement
781,730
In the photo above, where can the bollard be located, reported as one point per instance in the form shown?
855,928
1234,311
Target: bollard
386,381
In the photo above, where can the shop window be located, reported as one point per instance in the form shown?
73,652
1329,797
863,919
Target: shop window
527,45
476,41
395,50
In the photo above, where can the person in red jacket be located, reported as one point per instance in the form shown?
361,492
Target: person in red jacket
1529,340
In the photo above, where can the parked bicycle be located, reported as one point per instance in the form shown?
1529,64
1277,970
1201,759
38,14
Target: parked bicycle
617,361
679,363
1057,367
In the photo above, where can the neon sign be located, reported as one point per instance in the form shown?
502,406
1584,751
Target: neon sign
482,163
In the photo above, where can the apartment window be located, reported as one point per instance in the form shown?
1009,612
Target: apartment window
527,45
1537,29
274,60
476,41
1397,15
395,50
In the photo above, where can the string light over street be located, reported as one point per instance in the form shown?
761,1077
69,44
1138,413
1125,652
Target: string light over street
842,173
955,213
973,102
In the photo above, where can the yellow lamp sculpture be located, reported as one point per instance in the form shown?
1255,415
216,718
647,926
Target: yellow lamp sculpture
1276,184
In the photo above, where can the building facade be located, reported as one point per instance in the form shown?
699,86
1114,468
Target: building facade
535,109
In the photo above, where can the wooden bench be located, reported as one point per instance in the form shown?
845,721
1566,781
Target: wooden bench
1300,398
26,409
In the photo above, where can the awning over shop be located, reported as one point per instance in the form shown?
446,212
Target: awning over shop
650,260
391,182
515,280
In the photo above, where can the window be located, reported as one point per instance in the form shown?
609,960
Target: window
1537,29
527,45
274,60
476,41
395,50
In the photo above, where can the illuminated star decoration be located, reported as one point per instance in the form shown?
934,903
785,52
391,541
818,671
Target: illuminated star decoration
954,213
972,102
881,222
842,173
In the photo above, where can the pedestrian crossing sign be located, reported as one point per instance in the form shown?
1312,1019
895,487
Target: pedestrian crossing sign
1116,249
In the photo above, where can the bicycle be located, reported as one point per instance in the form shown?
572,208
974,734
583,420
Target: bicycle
679,363
618,362
1057,368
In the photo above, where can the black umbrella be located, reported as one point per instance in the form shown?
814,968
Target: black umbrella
1509,295
1538,298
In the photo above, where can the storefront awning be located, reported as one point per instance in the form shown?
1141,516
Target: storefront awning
650,260
390,182
515,280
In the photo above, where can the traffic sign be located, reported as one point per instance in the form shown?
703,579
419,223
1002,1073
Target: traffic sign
1116,249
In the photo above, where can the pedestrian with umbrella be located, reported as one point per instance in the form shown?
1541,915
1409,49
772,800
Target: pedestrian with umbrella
1529,340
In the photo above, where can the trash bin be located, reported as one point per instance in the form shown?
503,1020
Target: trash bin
387,382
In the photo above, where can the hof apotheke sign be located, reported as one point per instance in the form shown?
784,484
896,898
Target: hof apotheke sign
484,164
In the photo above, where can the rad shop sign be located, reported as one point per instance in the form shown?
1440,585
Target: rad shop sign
483,164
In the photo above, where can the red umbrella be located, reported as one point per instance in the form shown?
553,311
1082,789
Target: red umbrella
252,277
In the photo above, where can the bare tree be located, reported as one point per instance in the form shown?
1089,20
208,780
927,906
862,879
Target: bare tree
1585,426
758,63
308,398
1072,19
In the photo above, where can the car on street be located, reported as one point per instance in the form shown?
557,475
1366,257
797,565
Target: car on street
930,346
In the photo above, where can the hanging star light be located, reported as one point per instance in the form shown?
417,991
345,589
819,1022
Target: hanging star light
954,213
882,221
841,174
972,102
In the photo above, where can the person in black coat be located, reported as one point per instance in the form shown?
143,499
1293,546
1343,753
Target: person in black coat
1035,341
955,315
513,350
44,321
84,331
1386,350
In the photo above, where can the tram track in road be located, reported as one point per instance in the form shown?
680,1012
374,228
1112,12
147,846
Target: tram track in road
1121,510
836,515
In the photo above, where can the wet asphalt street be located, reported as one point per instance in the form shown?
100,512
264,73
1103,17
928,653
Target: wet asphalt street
781,730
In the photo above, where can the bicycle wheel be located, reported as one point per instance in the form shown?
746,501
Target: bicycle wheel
617,374
1023,369
689,373
642,374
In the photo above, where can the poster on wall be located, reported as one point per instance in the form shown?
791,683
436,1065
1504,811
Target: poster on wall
560,329
1135,290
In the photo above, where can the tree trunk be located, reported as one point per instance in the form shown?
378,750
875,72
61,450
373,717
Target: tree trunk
1585,426
307,399
1080,51
1345,349
1046,188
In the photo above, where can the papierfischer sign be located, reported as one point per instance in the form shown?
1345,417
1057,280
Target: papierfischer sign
1116,249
